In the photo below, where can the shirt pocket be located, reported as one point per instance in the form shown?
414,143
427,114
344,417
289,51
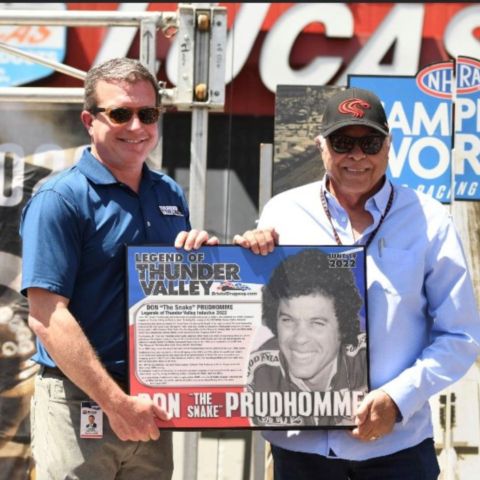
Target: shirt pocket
396,271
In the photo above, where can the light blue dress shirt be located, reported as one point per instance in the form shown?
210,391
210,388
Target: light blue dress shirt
423,321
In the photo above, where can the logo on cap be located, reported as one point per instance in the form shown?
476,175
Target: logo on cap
354,106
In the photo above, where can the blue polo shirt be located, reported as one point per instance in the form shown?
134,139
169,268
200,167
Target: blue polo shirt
74,231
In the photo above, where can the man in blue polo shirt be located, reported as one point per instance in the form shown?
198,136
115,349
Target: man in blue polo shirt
74,232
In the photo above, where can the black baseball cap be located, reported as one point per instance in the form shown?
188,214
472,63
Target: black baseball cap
353,106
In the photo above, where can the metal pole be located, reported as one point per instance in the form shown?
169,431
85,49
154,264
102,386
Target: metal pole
41,94
190,459
258,456
198,167
71,18
148,57
266,174
60,67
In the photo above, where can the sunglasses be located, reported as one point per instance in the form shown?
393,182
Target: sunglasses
369,144
119,115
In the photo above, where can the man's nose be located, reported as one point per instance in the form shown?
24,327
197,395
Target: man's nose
301,334
135,122
356,153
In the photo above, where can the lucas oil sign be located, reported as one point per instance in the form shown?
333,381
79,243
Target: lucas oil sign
426,130
44,41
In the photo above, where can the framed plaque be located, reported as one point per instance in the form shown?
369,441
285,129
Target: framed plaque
223,338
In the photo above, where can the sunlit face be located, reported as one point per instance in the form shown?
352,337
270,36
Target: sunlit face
122,146
354,172
309,336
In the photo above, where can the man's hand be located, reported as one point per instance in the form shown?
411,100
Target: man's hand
194,239
133,418
259,241
376,416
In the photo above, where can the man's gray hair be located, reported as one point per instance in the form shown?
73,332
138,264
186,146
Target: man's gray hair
117,70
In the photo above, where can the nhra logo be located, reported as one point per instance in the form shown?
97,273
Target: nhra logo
468,75
436,80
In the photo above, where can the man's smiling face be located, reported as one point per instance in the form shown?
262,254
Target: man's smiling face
125,145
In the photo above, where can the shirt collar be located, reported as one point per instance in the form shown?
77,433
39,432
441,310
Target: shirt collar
99,174
376,203
94,170
379,201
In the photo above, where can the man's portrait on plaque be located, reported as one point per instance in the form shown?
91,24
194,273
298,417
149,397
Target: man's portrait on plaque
313,310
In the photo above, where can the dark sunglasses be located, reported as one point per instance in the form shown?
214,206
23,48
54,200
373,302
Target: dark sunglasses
369,144
119,115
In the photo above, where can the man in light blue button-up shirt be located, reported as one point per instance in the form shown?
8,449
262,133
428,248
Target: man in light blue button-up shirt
424,326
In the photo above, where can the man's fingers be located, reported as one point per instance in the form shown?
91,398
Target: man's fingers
260,241
154,433
180,239
194,239
161,413
241,240
213,241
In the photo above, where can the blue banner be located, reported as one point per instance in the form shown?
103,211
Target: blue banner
467,129
419,112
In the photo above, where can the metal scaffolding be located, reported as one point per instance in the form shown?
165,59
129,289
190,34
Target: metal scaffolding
201,29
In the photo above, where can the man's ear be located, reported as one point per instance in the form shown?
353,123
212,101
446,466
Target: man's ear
389,140
87,118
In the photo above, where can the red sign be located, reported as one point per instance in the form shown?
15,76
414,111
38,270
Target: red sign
303,44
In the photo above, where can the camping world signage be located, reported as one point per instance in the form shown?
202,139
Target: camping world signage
420,114
467,129
45,41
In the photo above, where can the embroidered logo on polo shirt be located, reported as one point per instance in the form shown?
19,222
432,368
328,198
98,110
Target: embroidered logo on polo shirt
170,210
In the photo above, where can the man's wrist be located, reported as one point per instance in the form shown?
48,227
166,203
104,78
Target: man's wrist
398,413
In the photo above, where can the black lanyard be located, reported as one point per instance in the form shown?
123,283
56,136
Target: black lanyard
372,235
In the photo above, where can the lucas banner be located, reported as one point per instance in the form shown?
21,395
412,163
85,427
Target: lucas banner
223,338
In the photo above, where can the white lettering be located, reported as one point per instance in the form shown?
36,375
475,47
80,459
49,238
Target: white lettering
465,109
232,403
467,149
459,38
467,75
274,62
342,404
440,80
397,160
168,401
242,36
11,174
118,40
443,158
397,118
402,27
440,119
441,194
51,156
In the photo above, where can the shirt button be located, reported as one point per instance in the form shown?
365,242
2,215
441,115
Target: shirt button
148,223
